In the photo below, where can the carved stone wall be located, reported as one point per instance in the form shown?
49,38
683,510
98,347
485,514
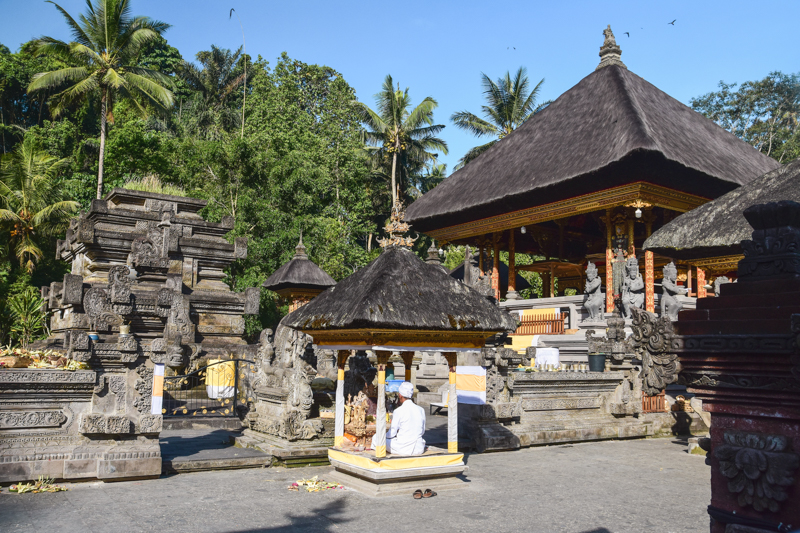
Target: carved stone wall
739,353
145,261
535,408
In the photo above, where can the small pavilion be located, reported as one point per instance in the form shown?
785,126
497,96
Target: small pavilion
299,280
608,162
709,238
398,303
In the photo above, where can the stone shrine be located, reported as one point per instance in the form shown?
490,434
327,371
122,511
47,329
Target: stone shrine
146,289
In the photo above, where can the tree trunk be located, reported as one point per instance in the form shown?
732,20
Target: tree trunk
394,186
103,118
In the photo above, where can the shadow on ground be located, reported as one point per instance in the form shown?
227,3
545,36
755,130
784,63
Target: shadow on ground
319,520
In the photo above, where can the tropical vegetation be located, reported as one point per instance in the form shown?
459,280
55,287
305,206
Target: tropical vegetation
304,154
509,103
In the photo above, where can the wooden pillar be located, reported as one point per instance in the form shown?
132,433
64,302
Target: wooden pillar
380,413
338,433
511,294
609,263
408,359
609,280
701,283
496,266
649,282
452,404
480,259
631,243
552,279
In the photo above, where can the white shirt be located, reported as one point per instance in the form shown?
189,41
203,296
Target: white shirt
408,426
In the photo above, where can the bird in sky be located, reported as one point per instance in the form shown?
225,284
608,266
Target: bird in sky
627,33
673,22
510,47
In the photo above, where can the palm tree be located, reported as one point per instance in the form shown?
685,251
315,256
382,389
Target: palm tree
104,51
32,205
510,103
432,176
397,133
215,82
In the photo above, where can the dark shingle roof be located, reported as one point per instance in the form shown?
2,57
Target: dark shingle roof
399,291
716,228
299,273
612,128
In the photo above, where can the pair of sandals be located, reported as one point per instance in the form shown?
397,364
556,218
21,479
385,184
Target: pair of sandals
418,494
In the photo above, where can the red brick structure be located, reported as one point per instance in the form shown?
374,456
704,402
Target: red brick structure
739,353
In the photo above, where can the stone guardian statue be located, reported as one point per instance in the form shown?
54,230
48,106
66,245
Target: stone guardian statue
632,288
670,306
594,295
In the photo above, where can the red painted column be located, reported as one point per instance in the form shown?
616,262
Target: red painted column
649,283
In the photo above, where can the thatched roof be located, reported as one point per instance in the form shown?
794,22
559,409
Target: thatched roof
397,291
299,273
611,129
716,228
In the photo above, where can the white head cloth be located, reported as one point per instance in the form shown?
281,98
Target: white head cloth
406,389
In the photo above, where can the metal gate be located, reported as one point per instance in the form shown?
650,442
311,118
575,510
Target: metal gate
218,389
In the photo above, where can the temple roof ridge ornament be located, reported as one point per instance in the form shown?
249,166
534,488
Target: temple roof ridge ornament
610,52
300,249
396,228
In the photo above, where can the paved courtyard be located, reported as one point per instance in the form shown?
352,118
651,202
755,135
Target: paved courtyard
616,486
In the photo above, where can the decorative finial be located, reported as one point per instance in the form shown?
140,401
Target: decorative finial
300,250
396,228
610,52
433,255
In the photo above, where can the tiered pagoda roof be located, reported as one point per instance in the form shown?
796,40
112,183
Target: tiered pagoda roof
299,273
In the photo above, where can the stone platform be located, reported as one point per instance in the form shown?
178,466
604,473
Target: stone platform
436,469
285,453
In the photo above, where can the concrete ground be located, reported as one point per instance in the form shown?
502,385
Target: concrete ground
601,487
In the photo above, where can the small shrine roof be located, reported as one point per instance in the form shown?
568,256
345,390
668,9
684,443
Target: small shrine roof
715,229
299,273
398,291
611,129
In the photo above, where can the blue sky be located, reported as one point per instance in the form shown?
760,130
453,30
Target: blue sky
440,48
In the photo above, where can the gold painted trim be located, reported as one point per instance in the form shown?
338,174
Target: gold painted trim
723,263
399,337
655,195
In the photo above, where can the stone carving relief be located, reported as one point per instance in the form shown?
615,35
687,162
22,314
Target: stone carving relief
97,305
759,467
595,300
773,250
151,249
670,306
144,387
151,423
719,281
31,419
284,371
652,338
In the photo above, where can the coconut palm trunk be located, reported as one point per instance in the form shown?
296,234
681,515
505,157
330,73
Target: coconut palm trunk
394,180
103,122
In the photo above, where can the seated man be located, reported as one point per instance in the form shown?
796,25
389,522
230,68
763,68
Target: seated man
408,425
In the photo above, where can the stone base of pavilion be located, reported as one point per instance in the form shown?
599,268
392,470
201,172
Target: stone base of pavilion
396,475
287,453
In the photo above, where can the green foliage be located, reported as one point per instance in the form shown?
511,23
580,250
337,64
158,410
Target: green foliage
102,62
29,321
153,184
763,113
32,204
400,140
509,104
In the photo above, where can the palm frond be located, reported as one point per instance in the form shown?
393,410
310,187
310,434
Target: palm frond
473,153
57,78
473,124
78,33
